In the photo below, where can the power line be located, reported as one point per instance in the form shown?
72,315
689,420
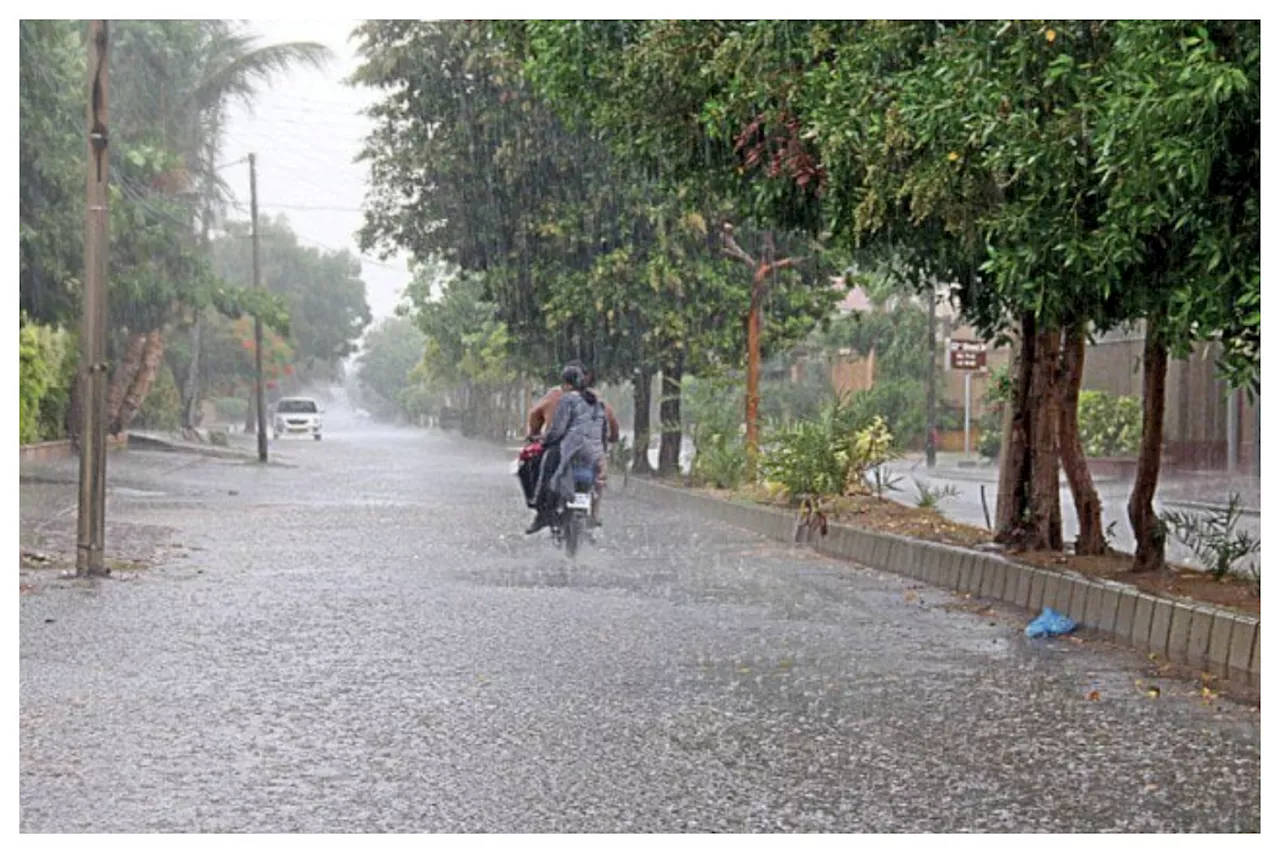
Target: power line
287,206
305,239
376,263
317,207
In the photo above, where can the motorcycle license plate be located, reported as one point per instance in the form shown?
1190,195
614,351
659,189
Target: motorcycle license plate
580,500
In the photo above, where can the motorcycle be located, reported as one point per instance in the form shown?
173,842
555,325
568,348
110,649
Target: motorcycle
569,519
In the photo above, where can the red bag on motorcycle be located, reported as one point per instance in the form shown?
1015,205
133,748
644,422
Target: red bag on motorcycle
528,470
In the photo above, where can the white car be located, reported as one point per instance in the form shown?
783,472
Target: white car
297,416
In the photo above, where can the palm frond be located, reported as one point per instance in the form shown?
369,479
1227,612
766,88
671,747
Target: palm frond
236,68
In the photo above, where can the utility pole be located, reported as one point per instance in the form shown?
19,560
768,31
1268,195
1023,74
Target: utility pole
930,446
257,319
91,522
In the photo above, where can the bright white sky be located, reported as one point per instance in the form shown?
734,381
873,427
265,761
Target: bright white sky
307,131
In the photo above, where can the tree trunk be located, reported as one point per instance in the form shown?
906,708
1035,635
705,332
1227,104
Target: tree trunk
191,387
152,359
643,400
1015,464
1148,531
123,377
1088,507
1029,512
669,416
753,378
1044,522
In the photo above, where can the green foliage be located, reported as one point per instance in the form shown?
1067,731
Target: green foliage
1000,387
830,454
714,408
162,409
901,403
988,446
51,115
808,457
1214,539
999,394
392,348
873,448
1180,164
46,365
231,409
932,496
899,336
1109,425
315,297
172,83
480,159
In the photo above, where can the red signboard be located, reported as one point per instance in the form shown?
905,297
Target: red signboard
967,355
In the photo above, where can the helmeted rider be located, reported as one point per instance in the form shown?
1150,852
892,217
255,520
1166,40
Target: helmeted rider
576,437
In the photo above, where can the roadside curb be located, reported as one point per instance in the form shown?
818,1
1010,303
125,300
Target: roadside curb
61,449
146,441
1212,639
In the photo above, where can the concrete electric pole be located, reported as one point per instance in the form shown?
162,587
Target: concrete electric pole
257,320
91,526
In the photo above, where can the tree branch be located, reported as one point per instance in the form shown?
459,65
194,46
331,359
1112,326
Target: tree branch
733,250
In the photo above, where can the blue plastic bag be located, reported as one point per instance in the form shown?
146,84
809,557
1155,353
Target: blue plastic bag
1050,623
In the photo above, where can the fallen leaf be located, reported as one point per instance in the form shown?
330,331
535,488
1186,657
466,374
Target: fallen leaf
911,596
1093,696
1153,692
1151,786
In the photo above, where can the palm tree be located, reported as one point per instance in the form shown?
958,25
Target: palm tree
192,72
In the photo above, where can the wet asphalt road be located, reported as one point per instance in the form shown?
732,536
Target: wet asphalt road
366,641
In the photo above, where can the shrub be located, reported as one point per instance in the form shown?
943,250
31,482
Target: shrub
1109,425
999,393
873,446
931,496
1213,538
828,455
713,408
902,405
46,369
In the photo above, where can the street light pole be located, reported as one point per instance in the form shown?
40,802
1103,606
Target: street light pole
257,319
91,521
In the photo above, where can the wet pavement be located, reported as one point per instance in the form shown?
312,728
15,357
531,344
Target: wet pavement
1196,494
365,641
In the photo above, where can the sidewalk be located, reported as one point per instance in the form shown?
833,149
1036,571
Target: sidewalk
1204,490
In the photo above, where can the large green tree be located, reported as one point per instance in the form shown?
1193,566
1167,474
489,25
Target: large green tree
1180,229
320,291
389,352
585,254
51,158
